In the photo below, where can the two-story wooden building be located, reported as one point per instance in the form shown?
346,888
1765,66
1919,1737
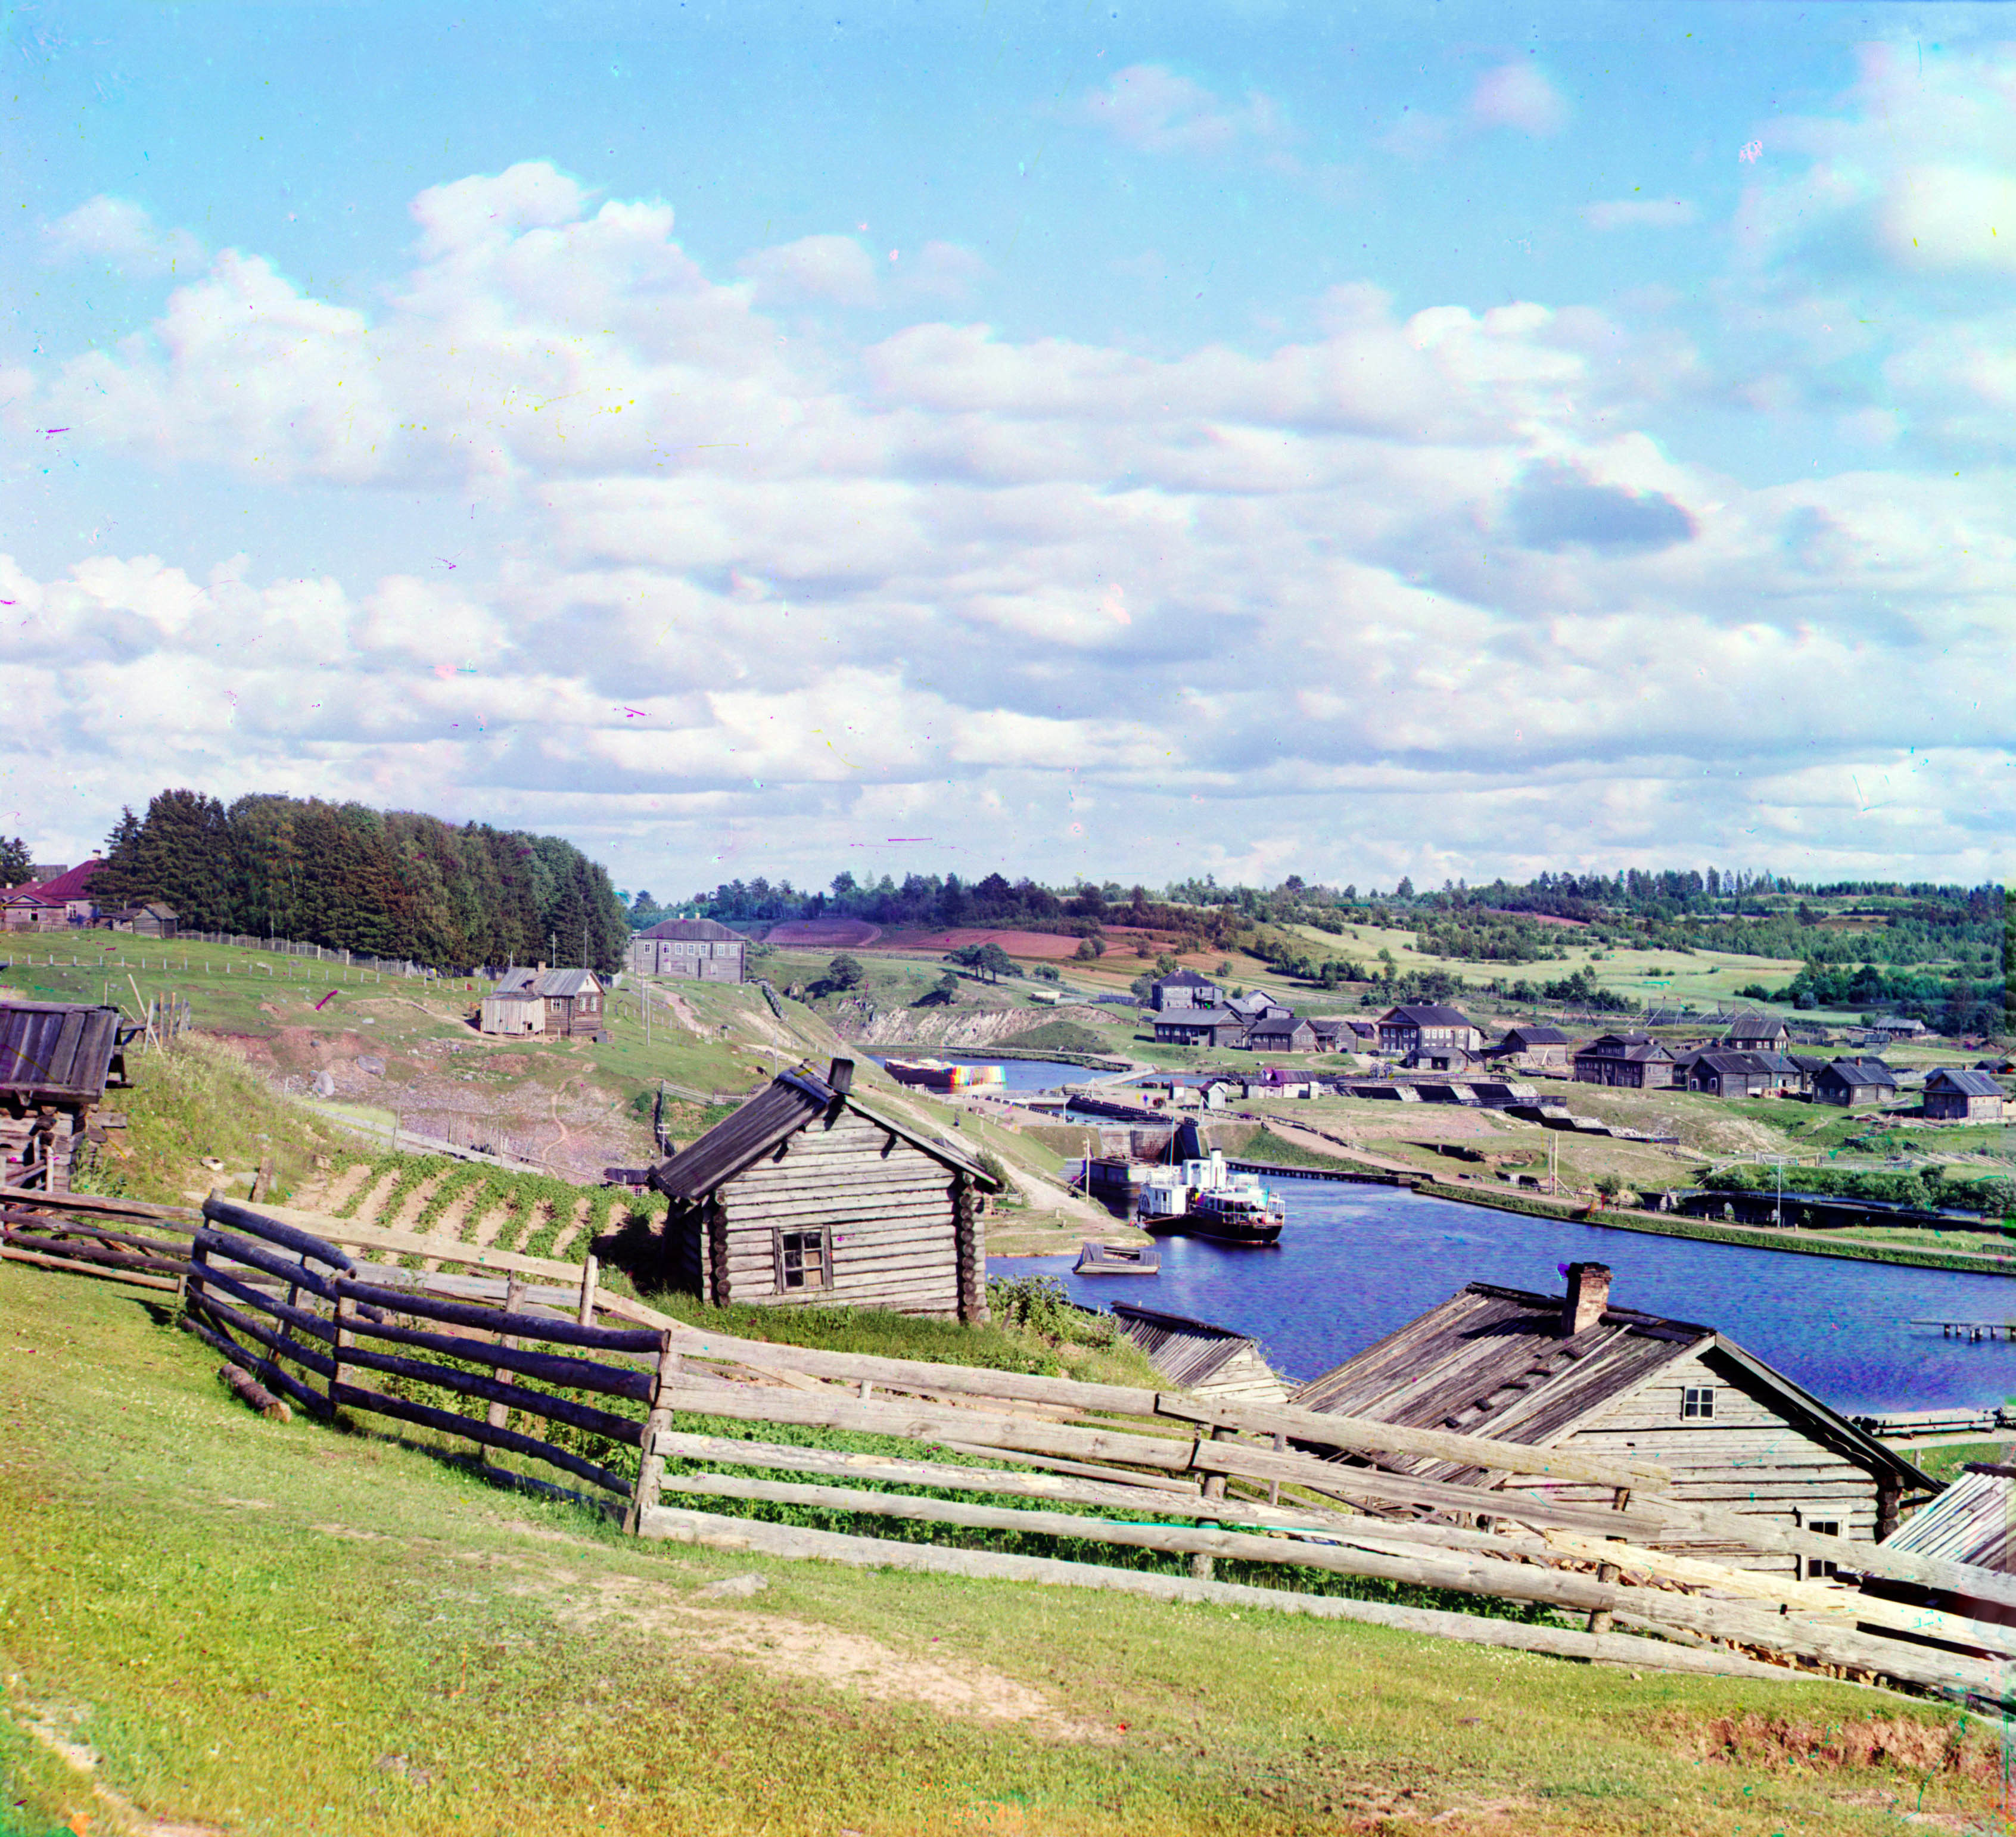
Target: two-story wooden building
1407,1029
1184,989
806,1196
1280,1033
698,948
1637,1062
1755,1033
1575,1371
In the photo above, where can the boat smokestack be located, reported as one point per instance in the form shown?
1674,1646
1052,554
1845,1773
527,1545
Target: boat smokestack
1587,1295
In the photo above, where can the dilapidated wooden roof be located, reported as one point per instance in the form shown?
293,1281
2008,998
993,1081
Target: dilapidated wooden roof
56,1050
1185,1351
1492,1361
790,1102
1973,1521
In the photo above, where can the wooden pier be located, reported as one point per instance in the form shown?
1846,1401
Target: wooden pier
1974,1332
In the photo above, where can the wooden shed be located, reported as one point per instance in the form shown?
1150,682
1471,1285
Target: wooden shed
1953,1095
1208,1361
1572,1370
518,1012
56,1060
805,1195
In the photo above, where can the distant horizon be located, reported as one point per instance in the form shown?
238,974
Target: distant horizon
1234,441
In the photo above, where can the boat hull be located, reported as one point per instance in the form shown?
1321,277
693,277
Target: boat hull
1222,1231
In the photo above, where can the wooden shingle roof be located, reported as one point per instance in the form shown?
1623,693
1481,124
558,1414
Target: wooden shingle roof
1971,1521
694,928
52,1049
1968,1083
1185,1351
790,1102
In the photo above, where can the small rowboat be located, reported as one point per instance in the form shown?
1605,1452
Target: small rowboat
1118,1259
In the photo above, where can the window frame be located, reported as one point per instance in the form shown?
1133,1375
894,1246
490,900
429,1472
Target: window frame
1820,1568
1697,1403
785,1243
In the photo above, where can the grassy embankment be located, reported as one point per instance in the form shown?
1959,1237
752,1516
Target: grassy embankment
257,1628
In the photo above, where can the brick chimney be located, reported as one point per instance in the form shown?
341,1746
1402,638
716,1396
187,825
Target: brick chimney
840,1077
1587,1295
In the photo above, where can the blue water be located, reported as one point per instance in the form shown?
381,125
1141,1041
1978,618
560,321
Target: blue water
1021,1074
1357,1261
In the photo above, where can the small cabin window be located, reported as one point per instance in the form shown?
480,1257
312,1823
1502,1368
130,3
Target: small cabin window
1697,1403
802,1261
1818,1566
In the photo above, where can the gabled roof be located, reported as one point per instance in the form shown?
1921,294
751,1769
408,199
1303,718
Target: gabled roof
1720,1062
1271,1025
1536,1036
1184,979
1426,1015
1968,1083
69,885
1871,1072
790,1102
694,928
1491,1361
570,982
1185,1351
1971,1521
1623,1047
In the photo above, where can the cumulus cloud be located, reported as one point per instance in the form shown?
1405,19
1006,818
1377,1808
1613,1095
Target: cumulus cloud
1155,110
834,268
1639,213
1518,95
119,233
1068,604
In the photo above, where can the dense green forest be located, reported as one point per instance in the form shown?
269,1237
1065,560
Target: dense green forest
391,883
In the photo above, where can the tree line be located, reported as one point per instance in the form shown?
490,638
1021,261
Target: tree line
386,883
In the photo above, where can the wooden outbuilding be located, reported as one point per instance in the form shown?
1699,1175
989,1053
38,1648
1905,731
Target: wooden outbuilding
57,1059
1956,1096
1209,1362
1572,1371
806,1196
698,948
1534,1048
521,1013
1637,1062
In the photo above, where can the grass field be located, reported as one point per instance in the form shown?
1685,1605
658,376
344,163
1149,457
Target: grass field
250,1627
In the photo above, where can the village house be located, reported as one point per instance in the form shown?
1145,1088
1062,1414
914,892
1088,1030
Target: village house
1853,1081
571,1002
1334,1033
1719,1074
805,1195
25,909
1635,1061
1439,1058
68,888
1533,1048
1254,1006
1183,989
1213,1364
1755,1033
1955,1096
1898,1026
1280,1033
1405,1030
695,947
154,920
1202,1026
1575,1371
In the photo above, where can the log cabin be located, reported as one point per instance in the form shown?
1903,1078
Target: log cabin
805,1196
1635,1061
1408,1028
1953,1095
1533,1048
57,1060
1572,1371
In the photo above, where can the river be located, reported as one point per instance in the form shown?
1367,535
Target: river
1356,1262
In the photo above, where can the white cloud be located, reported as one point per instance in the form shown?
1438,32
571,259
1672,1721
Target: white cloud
835,268
121,233
1155,110
1518,95
1952,217
1639,213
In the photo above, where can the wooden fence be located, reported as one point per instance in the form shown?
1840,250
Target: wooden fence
531,1358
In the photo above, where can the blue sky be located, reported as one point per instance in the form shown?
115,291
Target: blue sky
1247,440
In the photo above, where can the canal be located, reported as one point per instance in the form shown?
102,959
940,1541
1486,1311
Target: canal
1356,1262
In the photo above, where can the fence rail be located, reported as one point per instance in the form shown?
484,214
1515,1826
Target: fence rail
529,1358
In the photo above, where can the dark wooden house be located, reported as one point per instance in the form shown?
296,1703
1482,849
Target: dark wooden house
1721,1073
568,1002
1755,1033
1280,1033
1635,1061
1574,1372
1198,1026
1957,1096
1852,1081
699,948
57,1058
805,1195
1534,1048
1408,1028
1184,989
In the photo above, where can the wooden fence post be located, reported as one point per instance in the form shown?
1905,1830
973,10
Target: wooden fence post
651,1465
589,1269
340,1313
498,1415
1203,1567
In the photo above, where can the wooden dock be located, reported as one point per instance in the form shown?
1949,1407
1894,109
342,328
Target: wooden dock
1973,1332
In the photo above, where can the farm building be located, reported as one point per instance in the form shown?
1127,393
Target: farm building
1533,1048
569,1002
1198,1026
1208,1361
67,887
56,1060
1336,1034
695,947
1406,1029
1853,1082
1755,1033
1720,1073
26,910
1899,1026
1953,1096
1635,1061
1184,989
152,920
1254,1006
1574,1372
1280,1033
805,1195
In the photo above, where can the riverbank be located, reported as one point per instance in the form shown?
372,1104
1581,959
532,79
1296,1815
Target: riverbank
1671,1224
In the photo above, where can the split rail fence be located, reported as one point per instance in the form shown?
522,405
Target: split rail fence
695,1436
